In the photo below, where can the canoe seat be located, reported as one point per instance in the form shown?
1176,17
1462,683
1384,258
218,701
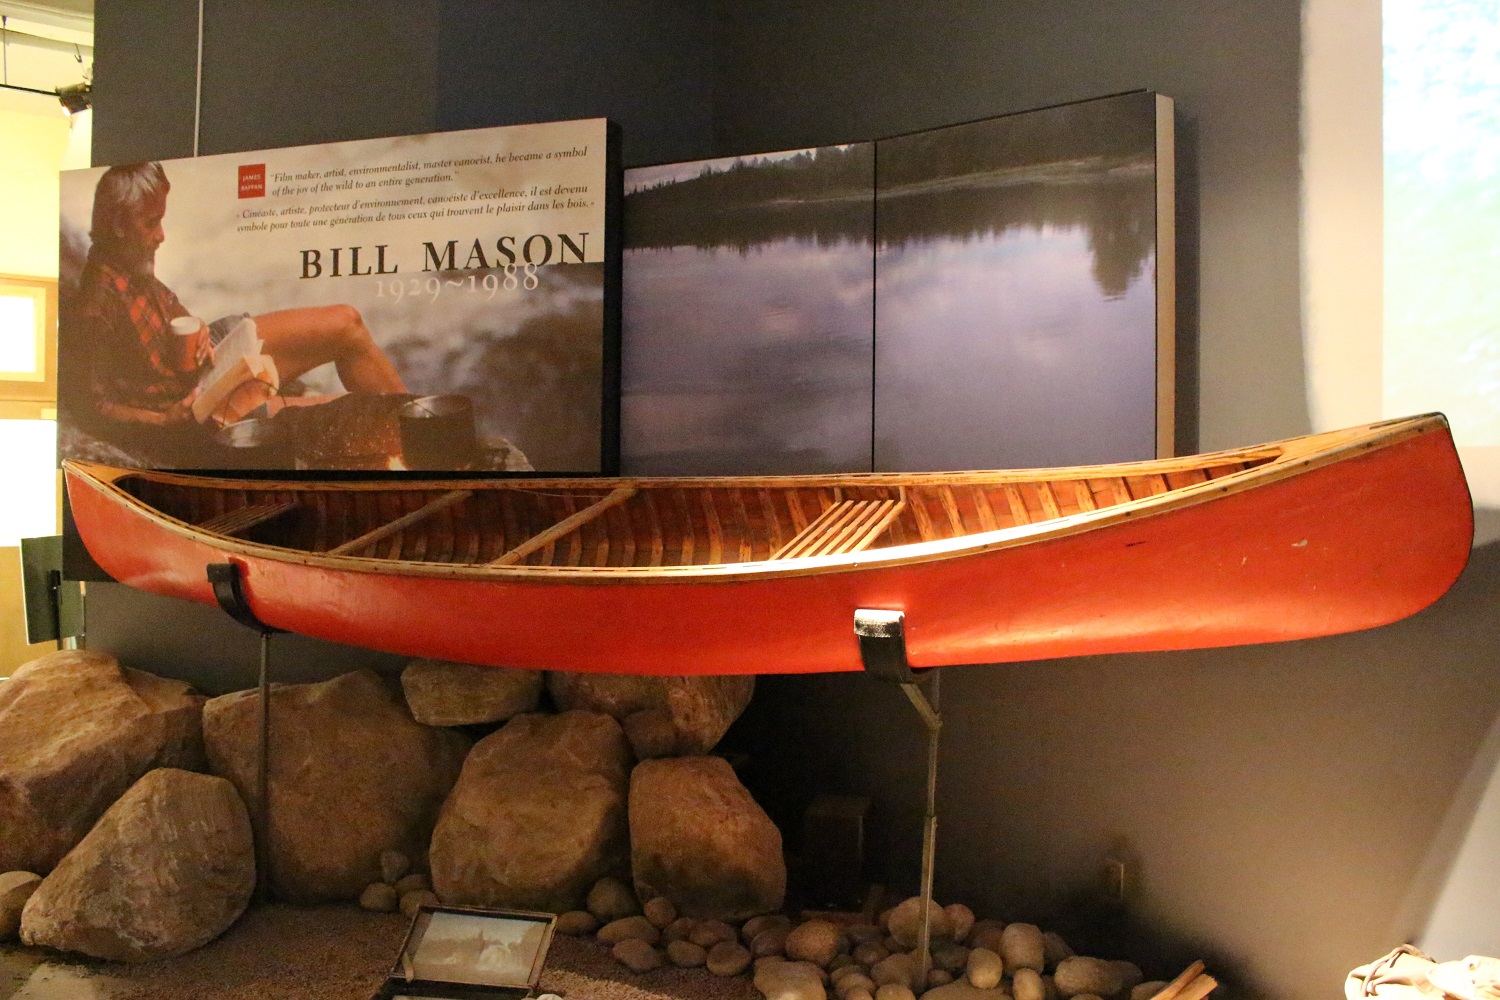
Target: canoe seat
232,522
847,526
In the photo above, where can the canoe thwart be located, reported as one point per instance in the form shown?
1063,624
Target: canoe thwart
233,522
847,526
404,521
566,526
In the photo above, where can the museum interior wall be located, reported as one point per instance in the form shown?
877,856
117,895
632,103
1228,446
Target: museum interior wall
1286,812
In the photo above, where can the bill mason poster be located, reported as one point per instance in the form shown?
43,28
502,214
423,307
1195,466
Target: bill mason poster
426,302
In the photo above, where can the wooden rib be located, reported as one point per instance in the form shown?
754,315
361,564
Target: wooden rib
850,526
794,507
926,531
1121,490
1050,509
392,527
244,518
627,547
685,554
1175,987
985,510
1085,495
950,507
715,531
566,526
1018,512
746,553
774,531
653,518
574,540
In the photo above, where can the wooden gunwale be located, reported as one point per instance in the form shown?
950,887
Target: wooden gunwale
1276,462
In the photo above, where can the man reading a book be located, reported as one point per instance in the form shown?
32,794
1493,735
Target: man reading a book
138,375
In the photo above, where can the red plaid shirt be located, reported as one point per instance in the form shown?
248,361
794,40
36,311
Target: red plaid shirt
126,320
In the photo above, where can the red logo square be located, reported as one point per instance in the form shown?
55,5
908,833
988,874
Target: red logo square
253,180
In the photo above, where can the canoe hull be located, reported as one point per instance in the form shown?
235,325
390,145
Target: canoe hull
1347,545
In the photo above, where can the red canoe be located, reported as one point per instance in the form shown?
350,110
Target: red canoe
1306,537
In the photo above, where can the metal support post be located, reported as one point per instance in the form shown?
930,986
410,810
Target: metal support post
882,648
225,580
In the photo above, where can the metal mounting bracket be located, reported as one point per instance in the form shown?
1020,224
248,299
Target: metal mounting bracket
225,580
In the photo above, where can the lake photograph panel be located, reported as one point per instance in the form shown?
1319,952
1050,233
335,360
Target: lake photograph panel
747,314
1016,306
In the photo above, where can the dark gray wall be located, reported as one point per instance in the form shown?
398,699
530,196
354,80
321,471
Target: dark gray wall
1287,811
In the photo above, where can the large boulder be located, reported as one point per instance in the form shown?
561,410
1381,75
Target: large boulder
76,730
698,838
442,693
168,868
538,815
352,776
699,709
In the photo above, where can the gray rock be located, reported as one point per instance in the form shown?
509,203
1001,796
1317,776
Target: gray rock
168,868
687,955
412,901
962,989
860,933
15,889
352,776
984,968
1131,975
1022,948
680,929
764,922
625,928
950,956
538,815
610,899
442,693
701,708
708,933
577,923
77,730
846,984
790,981
900,968
1055,949
651,733
905,922
1026,984
416,880
636,955
962,919
660,911
815,941
728,958
867,953
394,866
698,838
1079,974
380,897
771,941
938,977
987,934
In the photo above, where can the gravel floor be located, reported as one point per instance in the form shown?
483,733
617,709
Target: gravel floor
279,952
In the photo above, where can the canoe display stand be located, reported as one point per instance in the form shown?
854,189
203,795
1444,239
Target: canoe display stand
882,649
224,578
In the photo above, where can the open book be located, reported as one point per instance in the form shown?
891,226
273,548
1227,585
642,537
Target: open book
241,378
